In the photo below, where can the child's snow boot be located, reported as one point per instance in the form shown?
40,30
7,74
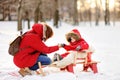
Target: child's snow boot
57,57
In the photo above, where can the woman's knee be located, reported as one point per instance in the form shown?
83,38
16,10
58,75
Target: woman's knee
34,67
45,60
49,61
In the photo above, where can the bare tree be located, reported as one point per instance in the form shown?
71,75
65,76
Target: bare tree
37,13
89,13
107,13
3,13
84,11
81,17
97,13
75,15
5,9
56,14
114,14
20,16
67,9
27,18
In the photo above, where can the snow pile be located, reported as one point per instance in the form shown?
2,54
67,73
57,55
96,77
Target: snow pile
105,40
54,76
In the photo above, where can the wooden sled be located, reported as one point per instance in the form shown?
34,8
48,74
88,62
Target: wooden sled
92,65
40,69
87,62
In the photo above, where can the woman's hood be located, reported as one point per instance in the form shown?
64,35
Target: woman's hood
38,29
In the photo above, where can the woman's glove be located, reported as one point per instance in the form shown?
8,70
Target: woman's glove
61,45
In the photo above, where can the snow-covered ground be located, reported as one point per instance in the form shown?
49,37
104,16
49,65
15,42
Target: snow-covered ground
105,40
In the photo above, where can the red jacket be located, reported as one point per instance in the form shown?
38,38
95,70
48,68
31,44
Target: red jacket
73,45
32,46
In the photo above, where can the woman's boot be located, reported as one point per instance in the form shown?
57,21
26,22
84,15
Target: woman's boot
25,71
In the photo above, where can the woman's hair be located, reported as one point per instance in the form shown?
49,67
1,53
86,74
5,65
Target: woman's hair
48,32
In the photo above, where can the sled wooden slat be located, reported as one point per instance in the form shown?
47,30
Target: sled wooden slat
40,69
92,62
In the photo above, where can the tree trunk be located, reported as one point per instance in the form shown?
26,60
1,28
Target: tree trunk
84,12
107,13
27,18
114,14
19,16
41,16
9,16
89,13
56,18
81,18
28,23
97,14
75,15
38,14
56,14
3,13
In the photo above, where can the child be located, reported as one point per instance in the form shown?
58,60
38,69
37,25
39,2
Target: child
77,47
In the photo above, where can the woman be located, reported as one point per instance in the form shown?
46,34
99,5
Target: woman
33,48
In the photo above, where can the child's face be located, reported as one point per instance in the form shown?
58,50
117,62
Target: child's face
72,39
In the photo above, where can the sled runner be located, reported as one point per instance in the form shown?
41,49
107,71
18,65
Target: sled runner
40,69
92,65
